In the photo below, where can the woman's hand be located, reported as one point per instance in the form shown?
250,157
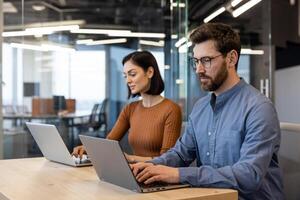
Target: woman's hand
79,151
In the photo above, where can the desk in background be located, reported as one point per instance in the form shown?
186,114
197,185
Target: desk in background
67,120
44,106
37,178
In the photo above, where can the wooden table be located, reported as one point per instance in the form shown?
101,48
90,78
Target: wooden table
37,178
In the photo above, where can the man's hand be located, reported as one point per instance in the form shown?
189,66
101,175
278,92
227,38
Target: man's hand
138,167
149,173
135,159
79,151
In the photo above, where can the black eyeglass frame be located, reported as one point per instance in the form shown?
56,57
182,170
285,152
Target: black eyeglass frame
205,61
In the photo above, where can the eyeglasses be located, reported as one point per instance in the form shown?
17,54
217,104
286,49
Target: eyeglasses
205,61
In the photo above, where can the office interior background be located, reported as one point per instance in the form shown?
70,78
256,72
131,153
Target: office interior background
66,55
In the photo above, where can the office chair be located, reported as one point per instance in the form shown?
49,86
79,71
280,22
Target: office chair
97,122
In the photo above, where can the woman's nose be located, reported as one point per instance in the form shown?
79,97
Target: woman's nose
128,79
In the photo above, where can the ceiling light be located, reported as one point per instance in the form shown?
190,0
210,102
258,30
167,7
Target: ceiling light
240,10
43,47
38,7
53,28
8,7
84,41
109,41
180,42
153,43
252,52
25,33
214,14
40,31
27,46
167,67
100,31
179,81
55,23
184,48
234,3
180,5
139,34
174,36
292,2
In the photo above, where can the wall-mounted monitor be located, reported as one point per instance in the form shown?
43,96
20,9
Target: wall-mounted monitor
31,89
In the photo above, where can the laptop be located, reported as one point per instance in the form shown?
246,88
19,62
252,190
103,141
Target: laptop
52,146
111,165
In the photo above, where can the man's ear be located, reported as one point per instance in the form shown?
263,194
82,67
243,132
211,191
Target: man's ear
233,58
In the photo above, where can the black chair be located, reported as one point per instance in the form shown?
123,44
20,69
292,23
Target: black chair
97,123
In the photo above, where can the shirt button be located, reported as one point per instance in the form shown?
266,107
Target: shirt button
209,133
207,153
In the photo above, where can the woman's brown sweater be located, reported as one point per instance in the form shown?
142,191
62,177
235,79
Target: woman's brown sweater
152,131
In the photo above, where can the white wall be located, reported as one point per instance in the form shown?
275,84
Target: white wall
287,94
287,102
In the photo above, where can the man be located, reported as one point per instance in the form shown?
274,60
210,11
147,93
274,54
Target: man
233,132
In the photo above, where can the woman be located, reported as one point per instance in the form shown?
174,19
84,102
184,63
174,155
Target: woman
154,122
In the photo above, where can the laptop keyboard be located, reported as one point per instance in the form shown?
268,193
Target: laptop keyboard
155,184
83,160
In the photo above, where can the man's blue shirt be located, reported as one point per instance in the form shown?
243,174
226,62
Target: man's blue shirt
235,138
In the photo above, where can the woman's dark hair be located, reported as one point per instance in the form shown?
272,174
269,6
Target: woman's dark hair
226,39
145,59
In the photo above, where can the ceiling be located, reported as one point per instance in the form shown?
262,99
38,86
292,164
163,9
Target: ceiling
139,15
152,16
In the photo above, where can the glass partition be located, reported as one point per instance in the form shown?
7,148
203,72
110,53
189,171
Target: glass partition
72,50
254,26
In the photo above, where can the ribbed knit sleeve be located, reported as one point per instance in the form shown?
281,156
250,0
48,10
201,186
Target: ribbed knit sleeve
172,128
121,126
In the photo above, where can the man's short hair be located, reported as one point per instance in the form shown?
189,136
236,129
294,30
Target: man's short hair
225,38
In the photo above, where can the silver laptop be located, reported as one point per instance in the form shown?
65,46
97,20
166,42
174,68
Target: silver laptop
111,165
52,146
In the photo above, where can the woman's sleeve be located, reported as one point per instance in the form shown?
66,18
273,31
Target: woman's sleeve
121,126
172,128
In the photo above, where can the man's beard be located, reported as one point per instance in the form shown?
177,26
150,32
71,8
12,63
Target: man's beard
214,84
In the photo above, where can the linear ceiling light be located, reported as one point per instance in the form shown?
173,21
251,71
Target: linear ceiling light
184,48
40,31
53,28
240,10
180,5
174,36
109,41
24,33
180,42
27,46
44,24
214,14
100,31
139,34
43,47
252,52
153,43
234,3
8,7
84,41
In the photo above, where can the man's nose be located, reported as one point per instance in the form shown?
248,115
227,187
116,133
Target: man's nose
200,68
